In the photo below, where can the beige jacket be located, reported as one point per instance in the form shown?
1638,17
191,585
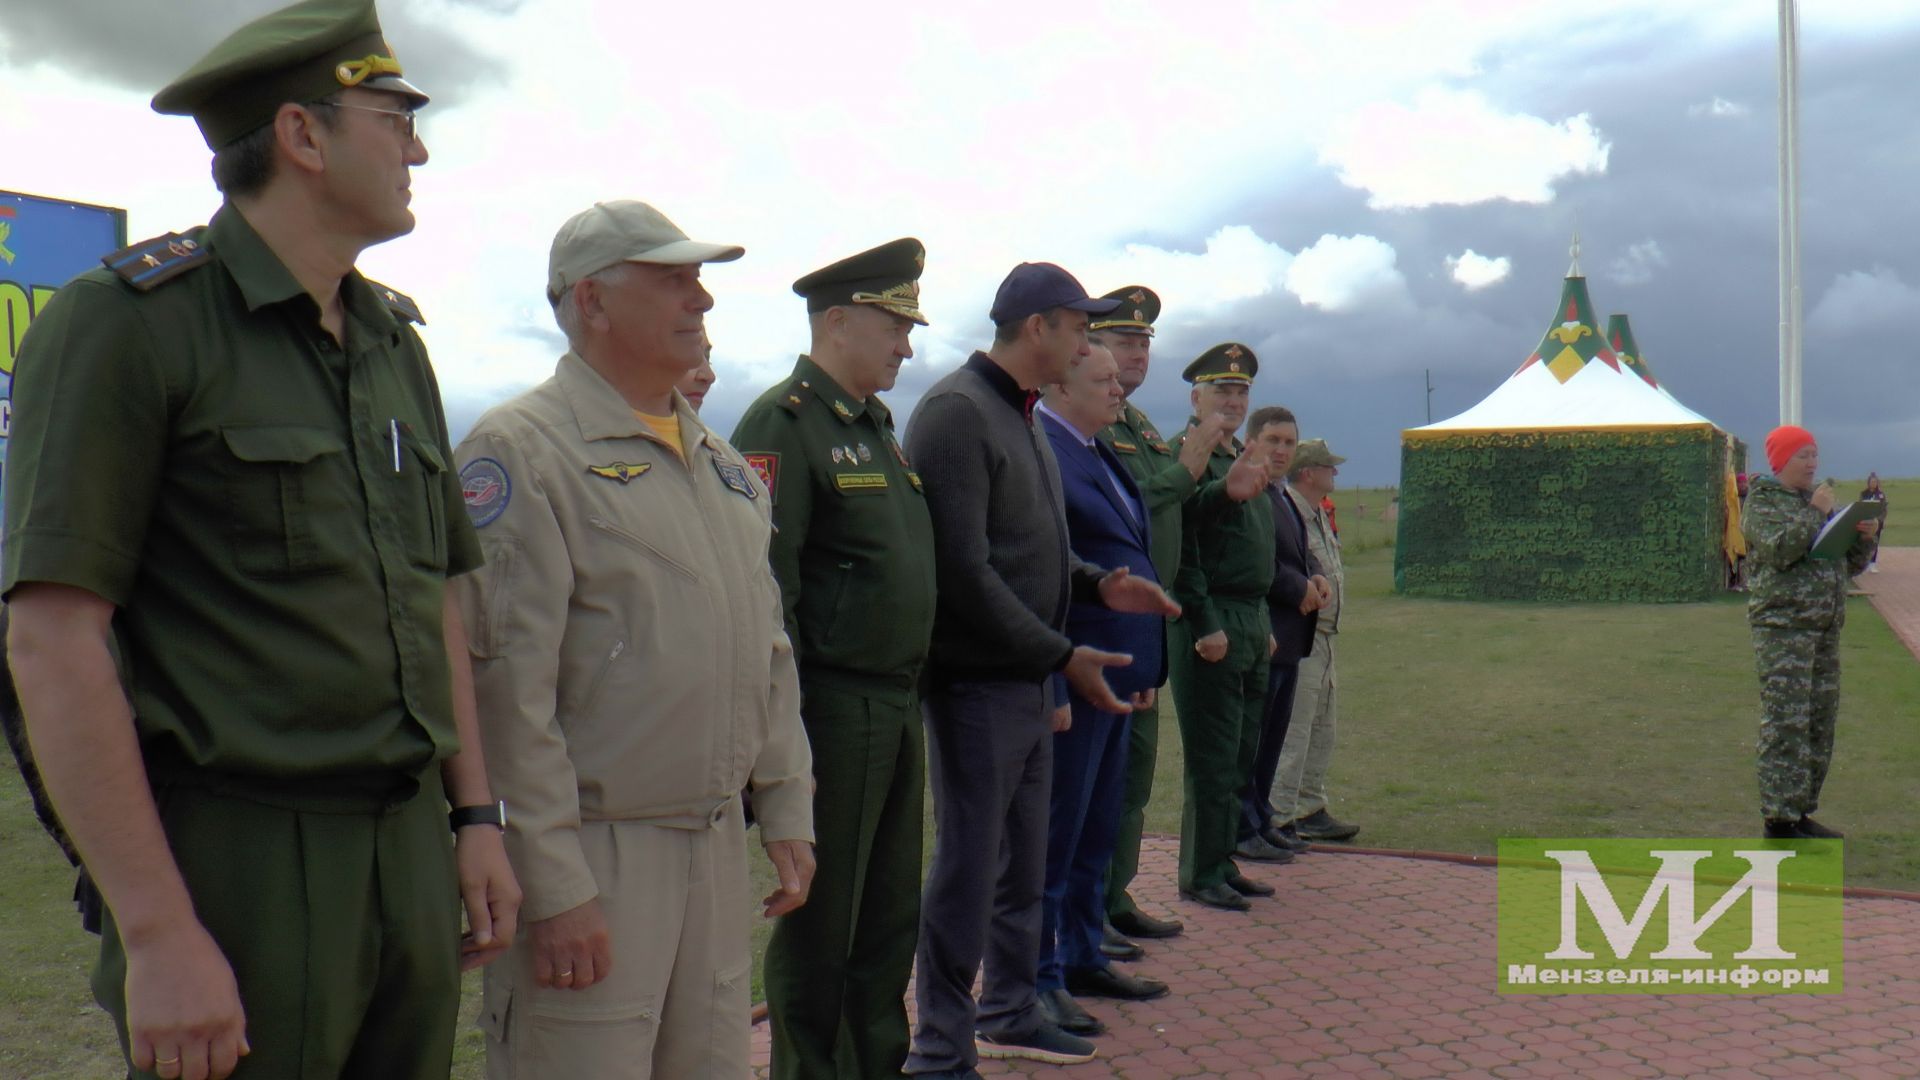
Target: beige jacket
1326,548
629,654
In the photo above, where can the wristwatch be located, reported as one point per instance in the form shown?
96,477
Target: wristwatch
494,814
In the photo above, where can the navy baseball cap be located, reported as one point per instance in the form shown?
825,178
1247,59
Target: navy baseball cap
1032,288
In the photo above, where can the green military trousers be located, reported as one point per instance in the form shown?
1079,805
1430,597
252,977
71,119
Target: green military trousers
339,913
837,969
1143,747
1221,705
1799,707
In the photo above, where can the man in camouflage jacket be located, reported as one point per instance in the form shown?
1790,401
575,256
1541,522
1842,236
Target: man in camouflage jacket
1796,605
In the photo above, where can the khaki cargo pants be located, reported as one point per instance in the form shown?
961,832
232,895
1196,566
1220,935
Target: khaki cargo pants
675,1007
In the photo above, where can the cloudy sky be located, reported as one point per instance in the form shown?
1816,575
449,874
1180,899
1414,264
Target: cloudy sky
1362,192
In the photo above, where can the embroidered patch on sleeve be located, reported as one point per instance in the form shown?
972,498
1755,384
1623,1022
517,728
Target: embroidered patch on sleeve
735,477
486,489
767,468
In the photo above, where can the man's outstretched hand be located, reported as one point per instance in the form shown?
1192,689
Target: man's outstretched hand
1121,591
1086,674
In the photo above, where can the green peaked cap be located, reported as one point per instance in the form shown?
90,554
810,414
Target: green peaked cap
1620,336
888,277
298,54
1574,338
1227,362
1139,306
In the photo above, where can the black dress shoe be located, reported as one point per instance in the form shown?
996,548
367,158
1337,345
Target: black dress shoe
1115,947
1138,924
1287,837
1108,983
1813,830
1260,851
1321,825
1219,896
1066,1014
1781,829
1246,886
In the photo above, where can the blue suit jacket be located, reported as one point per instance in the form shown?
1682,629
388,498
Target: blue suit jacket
1102,532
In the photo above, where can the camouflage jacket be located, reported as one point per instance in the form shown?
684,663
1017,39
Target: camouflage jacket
1785,588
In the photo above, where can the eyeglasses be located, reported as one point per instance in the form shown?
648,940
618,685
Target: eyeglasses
411,129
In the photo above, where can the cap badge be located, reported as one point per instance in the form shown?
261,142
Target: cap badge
1137,297
1139,316
1235,352
1234,366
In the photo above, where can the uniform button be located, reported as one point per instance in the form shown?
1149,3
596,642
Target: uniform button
718,814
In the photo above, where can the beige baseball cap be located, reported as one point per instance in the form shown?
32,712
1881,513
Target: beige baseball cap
623,230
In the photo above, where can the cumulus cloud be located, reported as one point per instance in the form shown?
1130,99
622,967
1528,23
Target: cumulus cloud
1235,265
1863,299
1475,271
1638,265
1719,108
1452,147
1347,273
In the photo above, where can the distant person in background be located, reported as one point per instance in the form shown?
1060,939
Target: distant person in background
1333,523
1872,493
694,384
1300,782
1796,605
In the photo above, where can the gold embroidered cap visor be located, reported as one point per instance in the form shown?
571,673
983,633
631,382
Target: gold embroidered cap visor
1139,307
888,277
1227,362
622,230
297,55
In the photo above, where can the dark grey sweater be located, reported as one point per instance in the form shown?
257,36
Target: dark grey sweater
1005,572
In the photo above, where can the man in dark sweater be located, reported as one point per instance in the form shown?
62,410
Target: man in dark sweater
1006,577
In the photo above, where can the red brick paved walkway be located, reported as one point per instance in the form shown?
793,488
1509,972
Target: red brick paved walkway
1895,592
1372,966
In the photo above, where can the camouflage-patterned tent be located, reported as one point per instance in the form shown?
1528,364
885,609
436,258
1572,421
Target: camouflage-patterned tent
1578,478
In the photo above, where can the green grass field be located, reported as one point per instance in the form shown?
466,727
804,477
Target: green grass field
1460,723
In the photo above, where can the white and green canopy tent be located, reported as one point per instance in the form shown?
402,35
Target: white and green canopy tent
1578,478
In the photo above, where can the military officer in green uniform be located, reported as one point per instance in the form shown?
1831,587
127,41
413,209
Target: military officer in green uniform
228,474
1167,478
854,558
1220,645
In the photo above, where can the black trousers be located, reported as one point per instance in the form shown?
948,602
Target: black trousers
990,760
1256,802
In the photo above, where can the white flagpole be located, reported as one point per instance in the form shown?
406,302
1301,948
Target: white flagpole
1790,371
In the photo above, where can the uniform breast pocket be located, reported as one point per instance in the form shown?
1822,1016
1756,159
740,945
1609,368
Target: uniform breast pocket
291,492
425,517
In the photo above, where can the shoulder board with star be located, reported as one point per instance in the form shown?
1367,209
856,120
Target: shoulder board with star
793,397
401,304
151,263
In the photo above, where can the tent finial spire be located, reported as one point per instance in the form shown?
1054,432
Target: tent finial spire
1574,250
